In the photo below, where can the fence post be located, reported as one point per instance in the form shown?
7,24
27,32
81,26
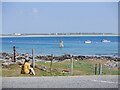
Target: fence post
72,66
99,69
33,61
14,54
95,69
51,63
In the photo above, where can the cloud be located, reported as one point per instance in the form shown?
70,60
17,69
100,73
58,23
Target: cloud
35,11
21,11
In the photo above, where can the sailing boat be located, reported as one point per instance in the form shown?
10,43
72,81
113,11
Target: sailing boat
61,44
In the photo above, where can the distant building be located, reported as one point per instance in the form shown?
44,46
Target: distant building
17,34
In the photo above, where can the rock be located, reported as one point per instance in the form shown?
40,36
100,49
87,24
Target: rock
111,64
5,65
65,71
43,68
20,62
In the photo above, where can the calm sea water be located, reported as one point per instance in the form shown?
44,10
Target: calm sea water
72,45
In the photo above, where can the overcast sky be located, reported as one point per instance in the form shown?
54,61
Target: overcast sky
60,17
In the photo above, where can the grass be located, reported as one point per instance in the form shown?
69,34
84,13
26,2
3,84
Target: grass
81,67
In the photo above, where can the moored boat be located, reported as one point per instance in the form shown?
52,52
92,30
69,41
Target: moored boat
105,41
87,41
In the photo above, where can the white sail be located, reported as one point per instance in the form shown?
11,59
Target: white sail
61,44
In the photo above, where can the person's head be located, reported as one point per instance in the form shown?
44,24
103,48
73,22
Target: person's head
27,60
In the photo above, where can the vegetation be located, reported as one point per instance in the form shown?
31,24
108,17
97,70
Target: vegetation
63,68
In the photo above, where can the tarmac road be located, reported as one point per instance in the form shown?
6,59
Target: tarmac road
109,81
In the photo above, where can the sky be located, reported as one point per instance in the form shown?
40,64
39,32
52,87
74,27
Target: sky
0,17
59,17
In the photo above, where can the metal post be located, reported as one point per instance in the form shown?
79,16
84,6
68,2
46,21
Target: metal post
14,54
95,69
33,61
100,69
72,66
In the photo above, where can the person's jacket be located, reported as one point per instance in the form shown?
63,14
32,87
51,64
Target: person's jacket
25,68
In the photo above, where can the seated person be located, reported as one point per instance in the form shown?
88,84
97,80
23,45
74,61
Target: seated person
26,69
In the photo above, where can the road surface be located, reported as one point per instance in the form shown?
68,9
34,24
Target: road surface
61,82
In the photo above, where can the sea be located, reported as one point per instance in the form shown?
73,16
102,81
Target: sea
74,45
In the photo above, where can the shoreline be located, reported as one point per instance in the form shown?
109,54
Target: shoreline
96,55
53,35
20,56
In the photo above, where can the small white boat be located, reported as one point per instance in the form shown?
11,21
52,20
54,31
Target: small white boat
87,41
105,41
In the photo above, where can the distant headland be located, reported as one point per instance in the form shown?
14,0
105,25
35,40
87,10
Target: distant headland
60,34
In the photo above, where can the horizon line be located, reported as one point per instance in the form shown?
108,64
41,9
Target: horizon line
65,33
60,1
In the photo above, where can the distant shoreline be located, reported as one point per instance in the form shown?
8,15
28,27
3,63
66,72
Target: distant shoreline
51,35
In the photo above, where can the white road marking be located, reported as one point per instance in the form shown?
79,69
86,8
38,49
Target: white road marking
104,81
